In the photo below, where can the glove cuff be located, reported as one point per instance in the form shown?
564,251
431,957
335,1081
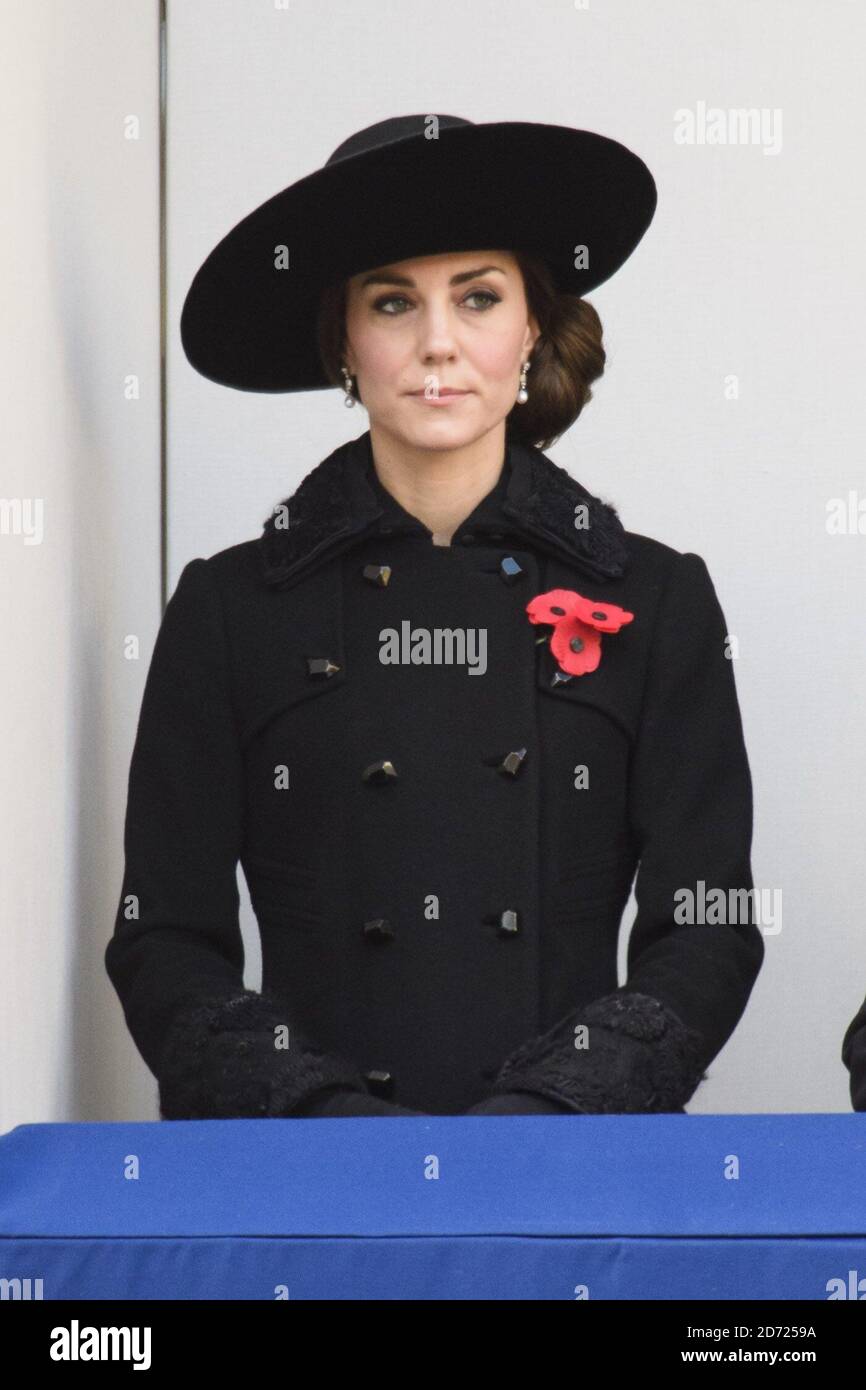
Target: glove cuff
220,1061
641,1058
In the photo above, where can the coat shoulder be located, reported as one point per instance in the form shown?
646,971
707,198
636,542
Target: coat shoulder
656,565
649,556
223,590
239,562
652,565
236,574
673,588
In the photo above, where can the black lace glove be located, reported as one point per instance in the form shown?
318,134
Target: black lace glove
640,1058
220,1061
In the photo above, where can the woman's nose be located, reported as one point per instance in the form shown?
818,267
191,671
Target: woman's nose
436,335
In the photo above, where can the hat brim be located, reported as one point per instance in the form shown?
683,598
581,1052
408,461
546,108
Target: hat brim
250,324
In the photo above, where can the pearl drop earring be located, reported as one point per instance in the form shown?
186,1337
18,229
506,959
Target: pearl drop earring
348,399
523,394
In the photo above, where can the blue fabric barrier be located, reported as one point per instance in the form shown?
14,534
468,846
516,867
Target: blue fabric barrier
440,1207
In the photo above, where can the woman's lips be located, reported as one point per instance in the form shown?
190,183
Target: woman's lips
443,398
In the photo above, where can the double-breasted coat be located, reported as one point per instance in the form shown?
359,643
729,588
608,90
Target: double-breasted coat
438,827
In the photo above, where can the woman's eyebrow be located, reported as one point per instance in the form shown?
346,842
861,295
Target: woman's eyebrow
391,278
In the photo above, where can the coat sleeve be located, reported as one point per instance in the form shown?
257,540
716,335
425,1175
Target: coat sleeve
176,955
854,1057
646,1046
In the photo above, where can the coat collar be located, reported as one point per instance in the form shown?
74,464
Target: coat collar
341,500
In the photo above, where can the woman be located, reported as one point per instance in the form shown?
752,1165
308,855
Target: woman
445,707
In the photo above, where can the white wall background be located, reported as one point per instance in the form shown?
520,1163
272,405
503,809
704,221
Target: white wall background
752,268
79,315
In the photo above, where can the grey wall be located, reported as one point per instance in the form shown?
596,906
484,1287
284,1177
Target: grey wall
79,446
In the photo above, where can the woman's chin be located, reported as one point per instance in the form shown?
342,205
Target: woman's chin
438,428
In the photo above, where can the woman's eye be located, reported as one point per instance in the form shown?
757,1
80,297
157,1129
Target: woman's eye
391,299
484,294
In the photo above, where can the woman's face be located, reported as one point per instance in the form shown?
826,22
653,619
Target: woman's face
417,329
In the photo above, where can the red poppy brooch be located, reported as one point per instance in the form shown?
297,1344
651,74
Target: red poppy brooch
577,624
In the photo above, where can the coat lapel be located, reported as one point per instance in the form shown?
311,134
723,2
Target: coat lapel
335,505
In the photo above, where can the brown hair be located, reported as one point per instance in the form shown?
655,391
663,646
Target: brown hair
568,354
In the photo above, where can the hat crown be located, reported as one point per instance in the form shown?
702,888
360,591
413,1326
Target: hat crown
387,132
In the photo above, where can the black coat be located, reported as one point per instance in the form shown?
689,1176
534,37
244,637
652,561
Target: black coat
854,1057
438,885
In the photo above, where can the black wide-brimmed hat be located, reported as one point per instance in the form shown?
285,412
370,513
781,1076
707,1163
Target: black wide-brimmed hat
405,187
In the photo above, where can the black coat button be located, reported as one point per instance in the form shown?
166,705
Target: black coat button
378,929
380,772
509,569
377,574
507,922
321,666
380,1083
513,762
